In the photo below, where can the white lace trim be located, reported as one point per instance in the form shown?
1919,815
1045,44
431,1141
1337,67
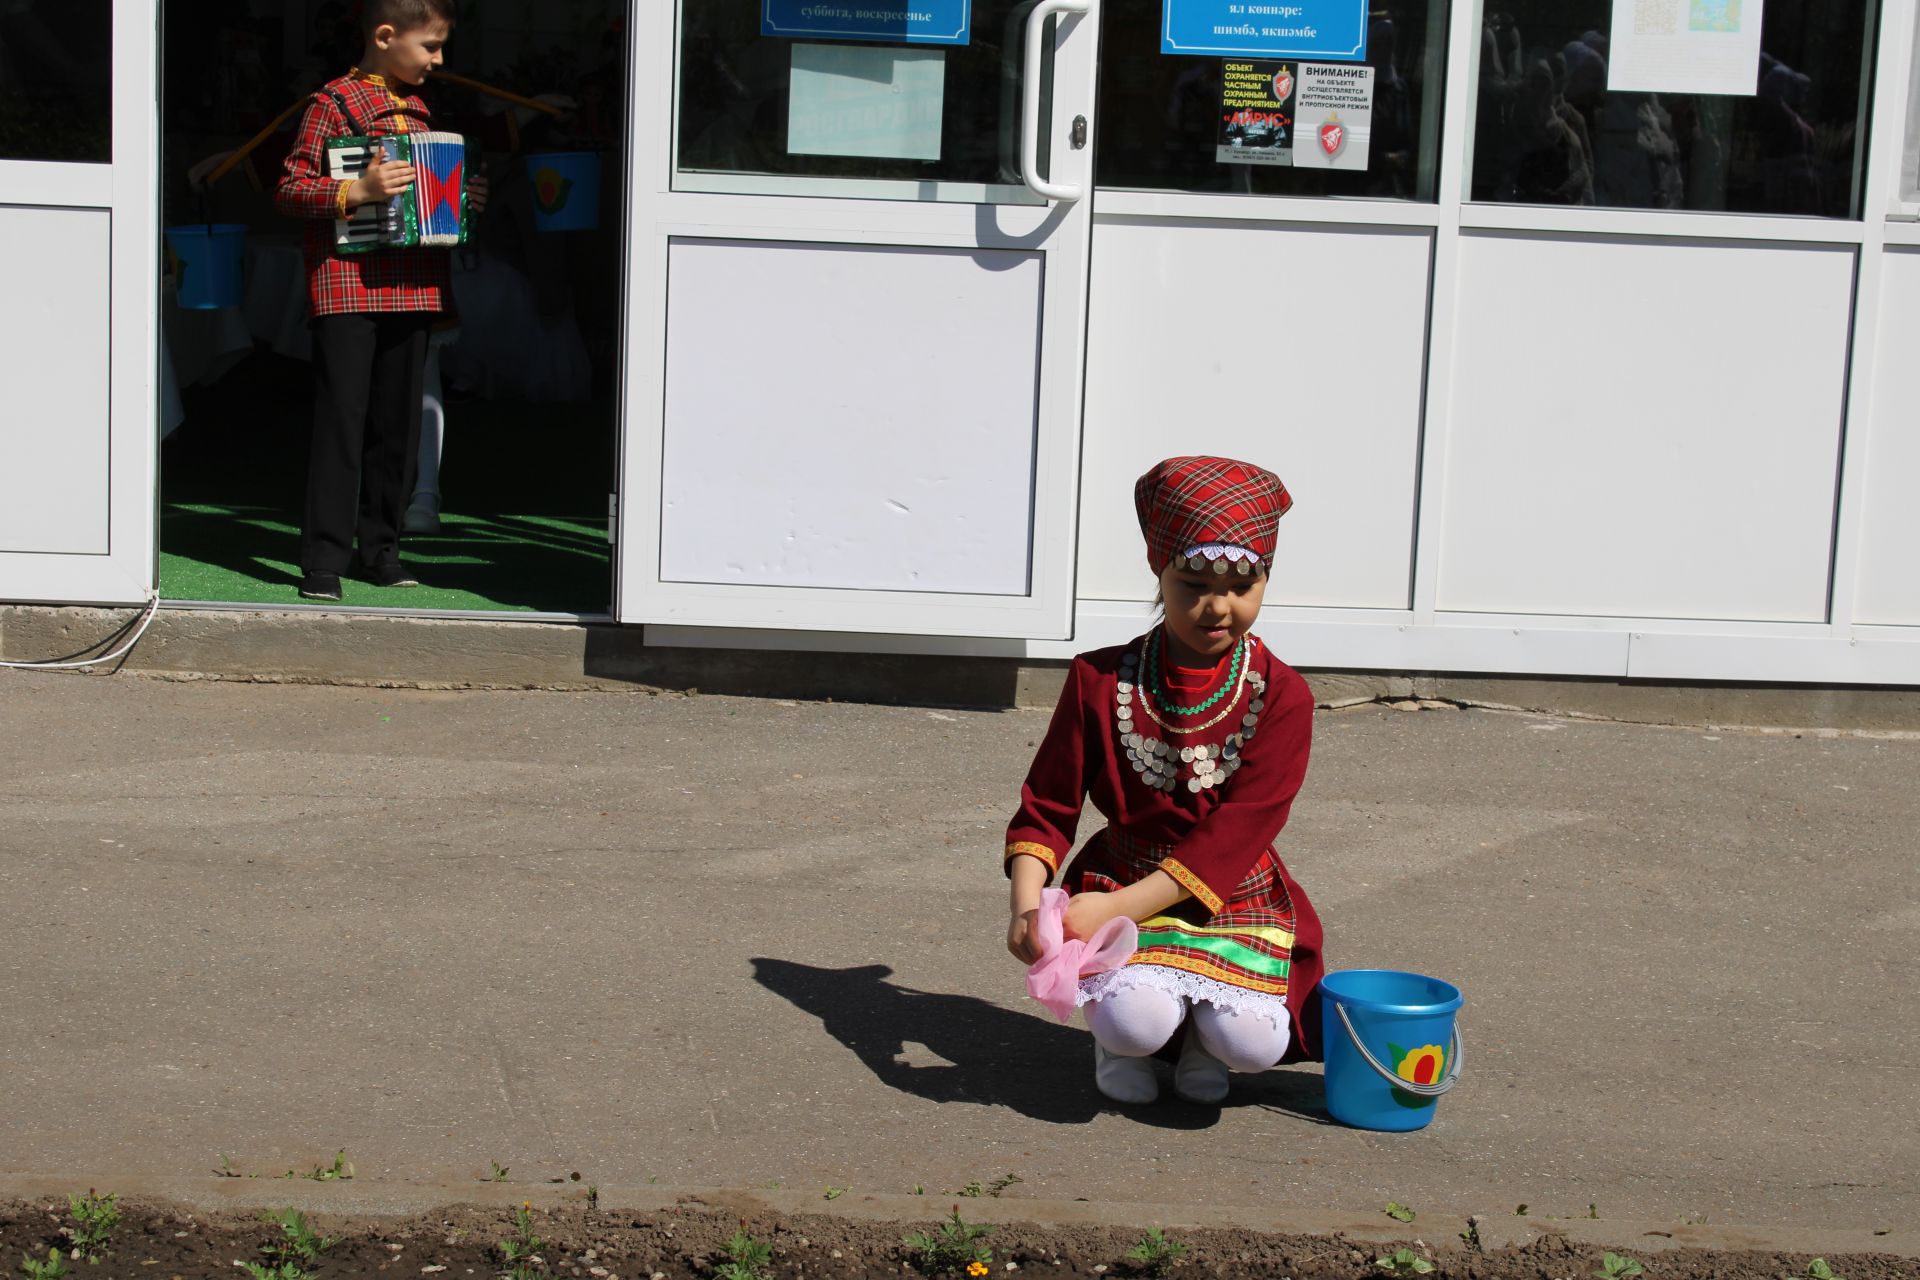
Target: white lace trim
1179,982
1215,550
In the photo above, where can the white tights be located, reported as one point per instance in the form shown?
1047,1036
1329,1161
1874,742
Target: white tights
1139,1020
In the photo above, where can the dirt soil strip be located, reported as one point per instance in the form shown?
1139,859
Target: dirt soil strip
653,1234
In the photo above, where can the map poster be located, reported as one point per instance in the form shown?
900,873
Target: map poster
1685,46
1333,116
1256,112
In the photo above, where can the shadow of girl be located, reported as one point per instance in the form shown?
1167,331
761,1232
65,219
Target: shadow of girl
993,1056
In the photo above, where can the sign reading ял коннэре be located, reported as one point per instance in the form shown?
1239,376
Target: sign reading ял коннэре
892,21
1334,30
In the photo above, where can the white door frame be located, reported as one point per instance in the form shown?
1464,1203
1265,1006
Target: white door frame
659,214
128,190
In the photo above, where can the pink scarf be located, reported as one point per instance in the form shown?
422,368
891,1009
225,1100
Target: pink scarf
1054,979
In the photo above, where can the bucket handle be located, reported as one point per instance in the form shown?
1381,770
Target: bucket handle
1455,1059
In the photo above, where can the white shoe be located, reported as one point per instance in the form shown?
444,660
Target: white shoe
1129,1080
1199,1076
421,518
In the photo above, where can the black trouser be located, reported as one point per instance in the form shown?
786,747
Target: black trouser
367,373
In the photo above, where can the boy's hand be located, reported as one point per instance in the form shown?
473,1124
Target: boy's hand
1023,937
382,180
477,191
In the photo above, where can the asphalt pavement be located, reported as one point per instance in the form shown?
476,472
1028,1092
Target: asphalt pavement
668,940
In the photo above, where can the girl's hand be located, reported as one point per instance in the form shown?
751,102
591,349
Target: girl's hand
1023,937
477,192
1086,912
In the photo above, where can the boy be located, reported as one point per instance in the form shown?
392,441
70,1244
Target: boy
371,311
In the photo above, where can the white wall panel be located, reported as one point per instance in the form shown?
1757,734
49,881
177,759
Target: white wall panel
1644,427
850,416
54,348
1889,583
1300,348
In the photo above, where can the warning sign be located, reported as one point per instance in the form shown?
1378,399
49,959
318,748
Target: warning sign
1335,116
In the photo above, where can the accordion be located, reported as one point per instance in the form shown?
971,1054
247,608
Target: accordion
432,213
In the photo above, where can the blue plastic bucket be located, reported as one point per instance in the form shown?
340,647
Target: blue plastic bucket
566,190
1391,1046
207,263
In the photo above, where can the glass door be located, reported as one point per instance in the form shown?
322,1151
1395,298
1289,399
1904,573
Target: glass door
857,307
77,251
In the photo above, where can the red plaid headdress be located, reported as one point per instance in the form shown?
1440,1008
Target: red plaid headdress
1210,513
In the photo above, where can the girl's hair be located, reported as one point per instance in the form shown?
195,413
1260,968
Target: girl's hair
406,15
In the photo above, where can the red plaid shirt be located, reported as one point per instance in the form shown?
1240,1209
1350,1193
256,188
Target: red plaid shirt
386,279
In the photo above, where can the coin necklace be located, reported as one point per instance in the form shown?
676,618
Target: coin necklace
1157,762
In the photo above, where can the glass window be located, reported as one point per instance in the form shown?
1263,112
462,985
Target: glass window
56,80
1548,130
1168,122
784,104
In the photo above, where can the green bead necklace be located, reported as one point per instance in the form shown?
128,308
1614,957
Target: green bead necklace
1159,694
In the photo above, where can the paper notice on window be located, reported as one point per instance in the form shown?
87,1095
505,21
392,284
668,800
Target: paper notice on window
866,100
1333,124
1685,46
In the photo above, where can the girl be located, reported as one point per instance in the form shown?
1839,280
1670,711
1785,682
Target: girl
1192,742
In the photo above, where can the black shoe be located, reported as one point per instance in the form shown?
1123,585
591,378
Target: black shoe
389,575
320,586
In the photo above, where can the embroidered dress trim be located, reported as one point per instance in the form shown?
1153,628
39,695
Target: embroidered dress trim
1033,850
1189,986
1192,883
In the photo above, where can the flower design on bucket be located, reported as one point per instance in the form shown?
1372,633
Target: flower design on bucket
551,188
1422,1065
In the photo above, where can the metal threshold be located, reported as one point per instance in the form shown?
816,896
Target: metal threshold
469,615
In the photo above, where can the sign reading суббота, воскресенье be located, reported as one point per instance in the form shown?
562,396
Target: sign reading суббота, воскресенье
893,21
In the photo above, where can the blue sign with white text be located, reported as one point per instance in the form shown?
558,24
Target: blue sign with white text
893,21
1332,29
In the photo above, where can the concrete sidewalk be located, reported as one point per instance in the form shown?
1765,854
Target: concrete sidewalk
710,941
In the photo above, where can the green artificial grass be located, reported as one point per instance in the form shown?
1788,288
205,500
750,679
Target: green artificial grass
497,562
525,488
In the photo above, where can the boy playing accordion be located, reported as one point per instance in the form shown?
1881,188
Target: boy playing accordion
371,310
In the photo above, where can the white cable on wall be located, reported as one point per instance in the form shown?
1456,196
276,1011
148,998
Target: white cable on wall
146,620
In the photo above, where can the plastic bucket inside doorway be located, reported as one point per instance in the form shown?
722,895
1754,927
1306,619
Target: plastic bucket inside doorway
1392,1048
566,190
207,259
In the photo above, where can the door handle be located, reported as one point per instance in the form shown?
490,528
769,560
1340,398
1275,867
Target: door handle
1030,122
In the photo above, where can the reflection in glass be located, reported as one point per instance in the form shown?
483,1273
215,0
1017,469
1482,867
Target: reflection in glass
1161,116
1548,131
56,80
738,89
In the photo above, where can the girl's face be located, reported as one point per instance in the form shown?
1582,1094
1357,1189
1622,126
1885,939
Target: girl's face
1207,612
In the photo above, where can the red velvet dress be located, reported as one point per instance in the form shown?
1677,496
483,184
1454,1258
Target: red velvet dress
1248,938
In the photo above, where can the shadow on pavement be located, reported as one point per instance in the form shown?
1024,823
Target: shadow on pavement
993,1056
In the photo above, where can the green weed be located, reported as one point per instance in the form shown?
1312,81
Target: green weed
1156,1253
1399,1212
226,1169
1819,1270
53,1267
96,1216
498,1172
747,1258
1617,1266
1403,1262
834,1193
338,1171
292,1256
521,1250
955,1245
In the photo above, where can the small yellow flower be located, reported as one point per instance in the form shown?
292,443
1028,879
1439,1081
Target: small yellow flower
976,1268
